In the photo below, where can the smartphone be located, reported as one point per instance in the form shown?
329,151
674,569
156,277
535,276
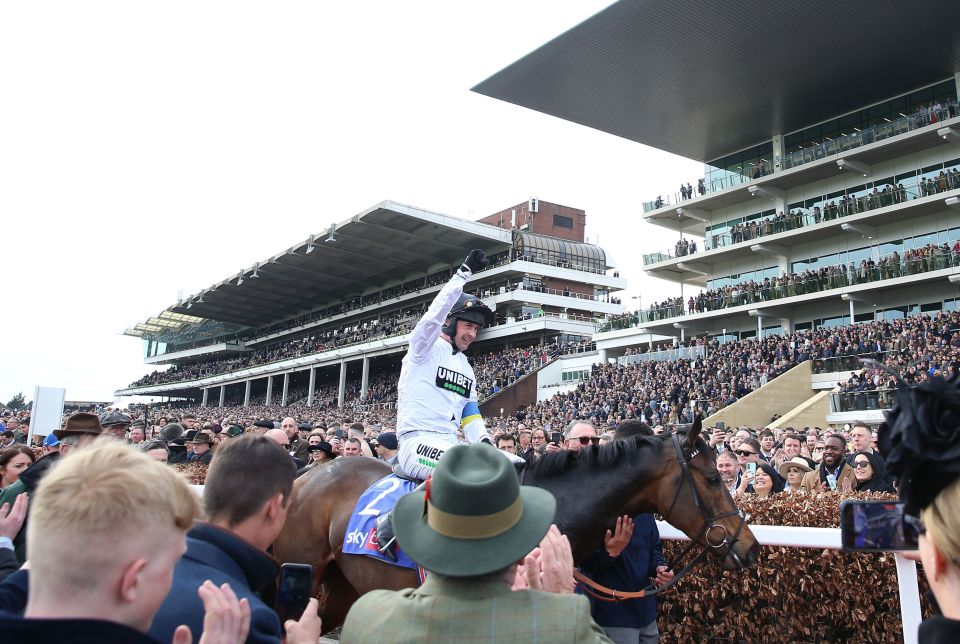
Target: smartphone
752,468
556,438
720,425
870,526
293,591
832,481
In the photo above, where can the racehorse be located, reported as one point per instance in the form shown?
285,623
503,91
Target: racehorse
673,475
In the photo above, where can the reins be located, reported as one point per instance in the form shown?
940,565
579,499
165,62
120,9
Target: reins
602,593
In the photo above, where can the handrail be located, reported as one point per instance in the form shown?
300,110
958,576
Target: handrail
868,399
914,262
847,362
815,152
828,209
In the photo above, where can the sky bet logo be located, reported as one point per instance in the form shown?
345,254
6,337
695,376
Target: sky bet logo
453,381
356,537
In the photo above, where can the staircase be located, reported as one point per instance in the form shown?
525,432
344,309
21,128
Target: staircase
781,395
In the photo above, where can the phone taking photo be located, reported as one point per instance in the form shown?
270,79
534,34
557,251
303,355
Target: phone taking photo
293,590
876,526
752,468
556,438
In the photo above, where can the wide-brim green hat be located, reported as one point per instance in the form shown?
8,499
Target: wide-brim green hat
473,518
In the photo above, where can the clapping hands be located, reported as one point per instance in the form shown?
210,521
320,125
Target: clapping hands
548,567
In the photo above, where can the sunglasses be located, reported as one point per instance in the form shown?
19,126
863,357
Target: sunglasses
744,452
860,464
315,448
586,440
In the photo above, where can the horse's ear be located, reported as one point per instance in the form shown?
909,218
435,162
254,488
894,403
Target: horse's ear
694,432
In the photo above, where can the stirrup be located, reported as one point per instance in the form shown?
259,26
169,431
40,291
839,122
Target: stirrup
386,540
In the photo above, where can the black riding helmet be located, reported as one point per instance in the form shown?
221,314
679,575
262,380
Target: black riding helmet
470,308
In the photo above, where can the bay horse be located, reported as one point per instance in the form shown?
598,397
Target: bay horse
673,475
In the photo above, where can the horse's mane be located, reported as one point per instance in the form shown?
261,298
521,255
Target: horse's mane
594,455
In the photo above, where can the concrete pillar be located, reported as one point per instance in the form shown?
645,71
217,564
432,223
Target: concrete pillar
342,388
777,152
365,379
852,311
223,395
269,390
206,396
286,388
683,335
313,380
602,356
246,394
759,326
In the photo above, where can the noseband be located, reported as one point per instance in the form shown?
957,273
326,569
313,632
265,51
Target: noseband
708,528
710,525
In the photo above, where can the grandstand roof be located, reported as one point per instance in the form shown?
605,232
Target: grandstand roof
705,79
382,244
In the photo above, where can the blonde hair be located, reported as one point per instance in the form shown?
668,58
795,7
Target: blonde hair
942,519
100,505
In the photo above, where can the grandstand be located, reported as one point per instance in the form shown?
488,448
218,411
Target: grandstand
332,313
831,181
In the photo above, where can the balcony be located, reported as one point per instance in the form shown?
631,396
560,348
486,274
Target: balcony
690,215
821,218
871,399
888,269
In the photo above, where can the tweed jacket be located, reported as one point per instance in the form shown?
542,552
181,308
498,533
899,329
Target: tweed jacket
464,610
811,480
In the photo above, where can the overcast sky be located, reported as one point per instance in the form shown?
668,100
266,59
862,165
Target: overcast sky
147,148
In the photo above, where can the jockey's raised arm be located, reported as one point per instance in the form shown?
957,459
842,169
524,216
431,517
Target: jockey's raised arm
437,390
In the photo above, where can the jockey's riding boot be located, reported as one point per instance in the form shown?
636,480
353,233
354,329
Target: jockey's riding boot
386,539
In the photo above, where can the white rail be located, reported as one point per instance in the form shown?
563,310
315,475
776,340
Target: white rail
800,537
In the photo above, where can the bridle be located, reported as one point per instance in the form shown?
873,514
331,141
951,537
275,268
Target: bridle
709,527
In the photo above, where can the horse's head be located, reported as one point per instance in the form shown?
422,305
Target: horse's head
692,497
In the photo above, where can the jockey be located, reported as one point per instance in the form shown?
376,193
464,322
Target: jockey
437,393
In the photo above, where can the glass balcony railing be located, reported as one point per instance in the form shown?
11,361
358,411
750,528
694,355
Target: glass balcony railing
828,209
915,261
752,228
699,190
814,152
835,364
679,250
867,136
862,400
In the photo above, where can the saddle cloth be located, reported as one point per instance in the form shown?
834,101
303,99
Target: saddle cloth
361,537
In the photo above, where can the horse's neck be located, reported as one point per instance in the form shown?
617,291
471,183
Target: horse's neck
590,498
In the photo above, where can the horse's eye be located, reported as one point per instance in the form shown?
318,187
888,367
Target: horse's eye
715,480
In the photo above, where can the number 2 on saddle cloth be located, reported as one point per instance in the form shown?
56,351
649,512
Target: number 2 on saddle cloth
361,537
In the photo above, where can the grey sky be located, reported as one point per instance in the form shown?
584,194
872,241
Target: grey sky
148,148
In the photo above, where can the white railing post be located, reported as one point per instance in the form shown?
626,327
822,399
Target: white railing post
910,615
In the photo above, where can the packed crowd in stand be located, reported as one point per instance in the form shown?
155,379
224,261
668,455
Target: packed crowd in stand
386,326
753,462
661,391
929,257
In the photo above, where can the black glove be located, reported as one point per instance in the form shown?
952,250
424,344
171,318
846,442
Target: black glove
476,260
